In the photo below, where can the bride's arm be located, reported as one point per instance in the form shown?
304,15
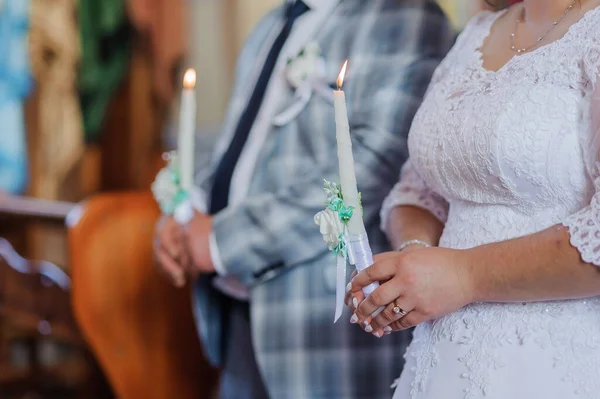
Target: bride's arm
409,222
432,283
412,211
542,266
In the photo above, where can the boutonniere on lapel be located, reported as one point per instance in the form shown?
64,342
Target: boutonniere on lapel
305,74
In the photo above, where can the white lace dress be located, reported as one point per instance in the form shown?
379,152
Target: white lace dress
498,155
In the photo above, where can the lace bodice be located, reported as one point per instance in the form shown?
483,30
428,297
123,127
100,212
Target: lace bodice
497,155
520,139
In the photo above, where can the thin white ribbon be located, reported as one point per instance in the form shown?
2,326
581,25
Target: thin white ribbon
302,98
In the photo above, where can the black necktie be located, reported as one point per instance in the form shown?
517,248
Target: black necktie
224,172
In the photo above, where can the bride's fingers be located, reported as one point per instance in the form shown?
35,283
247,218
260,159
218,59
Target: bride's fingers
348,298
379,271
358,294
412,319
383,295
389,316
355,300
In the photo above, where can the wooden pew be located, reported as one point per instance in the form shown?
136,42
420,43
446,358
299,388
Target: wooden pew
140,327
35,313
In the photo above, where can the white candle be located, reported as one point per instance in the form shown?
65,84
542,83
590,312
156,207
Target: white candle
187,126
346,158
359,248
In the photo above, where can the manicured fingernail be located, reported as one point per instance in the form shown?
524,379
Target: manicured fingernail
354,319
386,333
366,323
348,287
387,329
355,302
377,334
369,329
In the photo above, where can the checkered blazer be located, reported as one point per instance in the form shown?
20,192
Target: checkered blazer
270,241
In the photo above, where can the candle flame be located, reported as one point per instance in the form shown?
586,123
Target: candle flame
189,79
340,79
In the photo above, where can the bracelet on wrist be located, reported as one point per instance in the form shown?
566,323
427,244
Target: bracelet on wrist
406,244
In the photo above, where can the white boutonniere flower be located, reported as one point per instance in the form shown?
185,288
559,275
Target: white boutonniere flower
166,186
165,189
305,66
305,73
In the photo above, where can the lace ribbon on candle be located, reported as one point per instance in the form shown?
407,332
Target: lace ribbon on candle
361,257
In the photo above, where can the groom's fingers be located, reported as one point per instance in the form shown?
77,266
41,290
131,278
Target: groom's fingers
169,267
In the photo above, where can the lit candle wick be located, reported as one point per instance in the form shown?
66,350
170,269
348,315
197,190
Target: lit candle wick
189,79
340,79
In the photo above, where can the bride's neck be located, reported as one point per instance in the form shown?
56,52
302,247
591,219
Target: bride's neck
541,11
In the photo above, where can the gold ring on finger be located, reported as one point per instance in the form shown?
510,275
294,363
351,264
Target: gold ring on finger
399,311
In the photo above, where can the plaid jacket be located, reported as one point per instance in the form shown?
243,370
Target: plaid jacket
270,241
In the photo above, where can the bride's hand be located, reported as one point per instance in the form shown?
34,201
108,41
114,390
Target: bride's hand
427,284
352,299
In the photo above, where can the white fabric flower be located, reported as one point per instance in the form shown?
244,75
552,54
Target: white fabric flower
330,226
305,66
165,189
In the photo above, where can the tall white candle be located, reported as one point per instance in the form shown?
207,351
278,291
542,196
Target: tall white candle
187,126
346,158
359,248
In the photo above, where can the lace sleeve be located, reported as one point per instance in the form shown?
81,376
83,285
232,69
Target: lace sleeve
584,226
412,190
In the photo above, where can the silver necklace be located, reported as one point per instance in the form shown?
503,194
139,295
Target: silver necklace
539,39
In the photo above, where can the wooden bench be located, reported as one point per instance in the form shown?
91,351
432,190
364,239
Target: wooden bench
36,316
138,326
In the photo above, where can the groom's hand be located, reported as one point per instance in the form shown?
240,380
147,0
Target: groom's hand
196,236
168,250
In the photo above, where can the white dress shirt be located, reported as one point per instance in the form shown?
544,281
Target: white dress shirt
303,32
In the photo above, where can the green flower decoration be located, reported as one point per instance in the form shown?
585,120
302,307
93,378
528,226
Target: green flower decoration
167,188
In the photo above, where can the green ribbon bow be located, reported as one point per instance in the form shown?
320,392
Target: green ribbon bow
344,212
342,247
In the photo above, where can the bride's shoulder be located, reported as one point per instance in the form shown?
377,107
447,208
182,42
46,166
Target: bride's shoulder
587,37
485,18
477,26
481,22
591,22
